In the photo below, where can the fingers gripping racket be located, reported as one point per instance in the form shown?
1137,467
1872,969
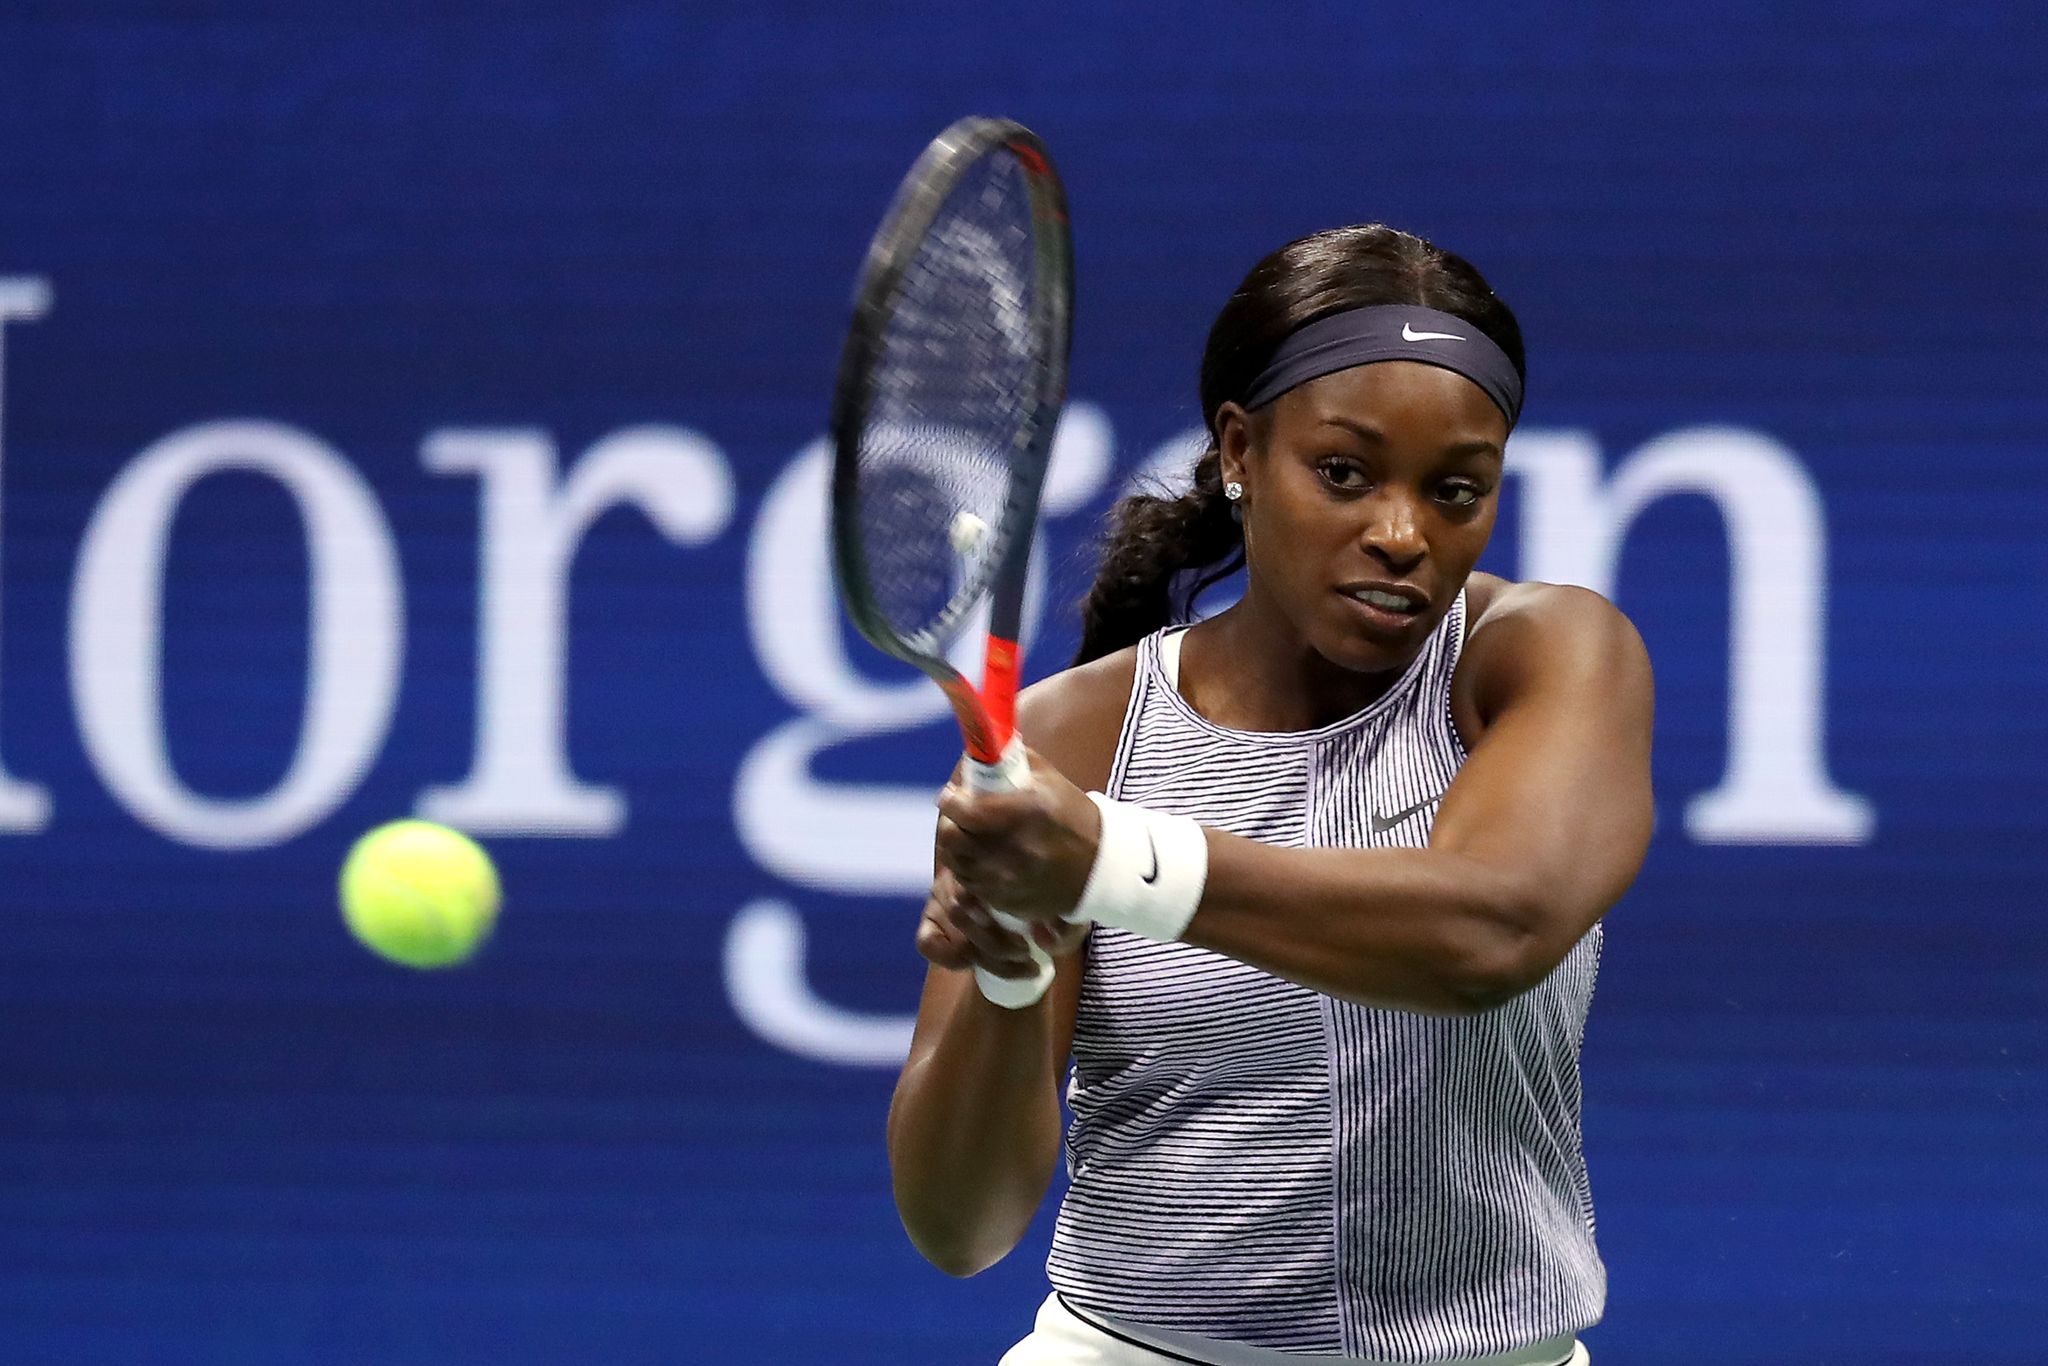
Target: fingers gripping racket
949,389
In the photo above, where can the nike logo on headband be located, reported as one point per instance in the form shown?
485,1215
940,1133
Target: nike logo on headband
1410,334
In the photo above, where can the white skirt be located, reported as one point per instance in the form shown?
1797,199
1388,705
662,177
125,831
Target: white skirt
1060,1337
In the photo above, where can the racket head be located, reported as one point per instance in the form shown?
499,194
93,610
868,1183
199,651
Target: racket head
949,388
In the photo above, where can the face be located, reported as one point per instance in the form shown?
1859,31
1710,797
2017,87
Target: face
1368,497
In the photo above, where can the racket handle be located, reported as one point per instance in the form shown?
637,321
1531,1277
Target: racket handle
1011,773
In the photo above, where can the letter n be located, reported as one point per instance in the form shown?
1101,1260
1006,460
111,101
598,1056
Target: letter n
1775,789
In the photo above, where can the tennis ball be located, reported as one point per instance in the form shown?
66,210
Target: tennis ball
419,893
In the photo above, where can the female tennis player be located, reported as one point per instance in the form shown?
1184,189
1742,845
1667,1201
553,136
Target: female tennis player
1322,876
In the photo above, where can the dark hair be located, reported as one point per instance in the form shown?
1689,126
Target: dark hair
1156,545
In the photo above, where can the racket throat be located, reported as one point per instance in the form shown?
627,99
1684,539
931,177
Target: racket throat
988,719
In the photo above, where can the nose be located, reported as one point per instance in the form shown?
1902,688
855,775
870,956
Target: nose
1392,532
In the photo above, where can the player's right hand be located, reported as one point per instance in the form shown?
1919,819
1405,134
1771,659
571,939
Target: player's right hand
956,931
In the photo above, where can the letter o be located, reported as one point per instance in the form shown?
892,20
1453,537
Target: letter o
356,637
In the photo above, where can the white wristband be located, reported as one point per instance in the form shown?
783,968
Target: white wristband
1149,871
1015,993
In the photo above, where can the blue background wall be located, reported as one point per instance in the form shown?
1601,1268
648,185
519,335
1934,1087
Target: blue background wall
1815,1069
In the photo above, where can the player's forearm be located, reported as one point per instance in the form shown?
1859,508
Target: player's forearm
974,1132
1410,929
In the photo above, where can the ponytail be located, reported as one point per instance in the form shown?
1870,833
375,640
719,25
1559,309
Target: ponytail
1152,543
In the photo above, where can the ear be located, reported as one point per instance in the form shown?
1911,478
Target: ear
1233,442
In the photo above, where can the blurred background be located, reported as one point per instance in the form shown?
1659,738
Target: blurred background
415,409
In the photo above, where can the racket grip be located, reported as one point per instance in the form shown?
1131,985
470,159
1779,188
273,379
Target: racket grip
1015,993
1011,773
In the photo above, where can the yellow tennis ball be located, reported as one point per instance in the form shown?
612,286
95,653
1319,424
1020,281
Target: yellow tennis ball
419,893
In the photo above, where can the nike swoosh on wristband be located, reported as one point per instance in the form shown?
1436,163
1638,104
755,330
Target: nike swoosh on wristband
1153,849
1379,824
1410,334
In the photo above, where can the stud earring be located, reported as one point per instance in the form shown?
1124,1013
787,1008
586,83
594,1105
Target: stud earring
1233,490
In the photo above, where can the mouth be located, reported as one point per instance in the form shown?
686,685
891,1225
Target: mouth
1389,606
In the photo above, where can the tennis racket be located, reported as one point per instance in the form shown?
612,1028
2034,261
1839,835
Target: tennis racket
949,388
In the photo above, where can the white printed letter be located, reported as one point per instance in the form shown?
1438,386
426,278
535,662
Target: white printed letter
356,633
24,807
831,834
521,782
1776,789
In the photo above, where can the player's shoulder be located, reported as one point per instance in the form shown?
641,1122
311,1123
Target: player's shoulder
1520,632
1552,607
1074,717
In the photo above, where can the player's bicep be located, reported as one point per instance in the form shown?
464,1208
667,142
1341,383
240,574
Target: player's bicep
1556,791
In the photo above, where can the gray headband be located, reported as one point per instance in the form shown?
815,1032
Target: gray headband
1390,332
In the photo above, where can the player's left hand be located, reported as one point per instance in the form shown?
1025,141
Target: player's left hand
1028,852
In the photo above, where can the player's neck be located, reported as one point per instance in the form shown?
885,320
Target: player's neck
1253,671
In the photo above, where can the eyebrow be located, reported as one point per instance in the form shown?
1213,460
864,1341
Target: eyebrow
1374,434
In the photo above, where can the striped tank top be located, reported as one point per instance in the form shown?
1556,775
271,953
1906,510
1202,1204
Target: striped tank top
1255,1163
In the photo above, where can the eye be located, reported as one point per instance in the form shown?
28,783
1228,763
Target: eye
1460,493
1341,472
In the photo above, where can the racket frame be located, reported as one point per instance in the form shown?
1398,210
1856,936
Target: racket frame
987,716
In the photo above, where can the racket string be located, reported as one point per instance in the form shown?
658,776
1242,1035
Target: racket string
953,399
